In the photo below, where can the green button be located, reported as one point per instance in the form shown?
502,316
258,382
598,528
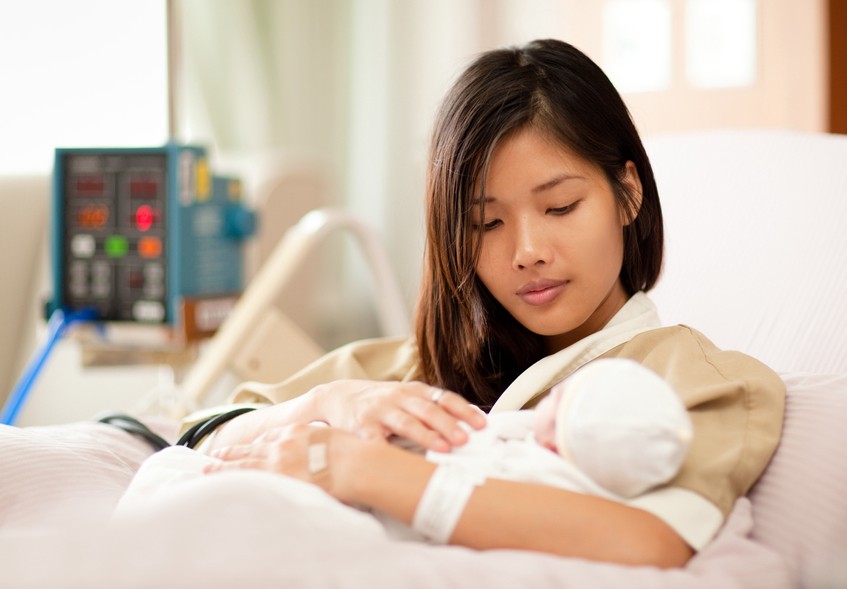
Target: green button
116,246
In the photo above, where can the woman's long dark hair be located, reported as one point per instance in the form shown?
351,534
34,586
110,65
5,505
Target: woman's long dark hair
467,341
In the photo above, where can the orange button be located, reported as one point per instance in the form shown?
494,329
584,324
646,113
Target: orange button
150,247
92,217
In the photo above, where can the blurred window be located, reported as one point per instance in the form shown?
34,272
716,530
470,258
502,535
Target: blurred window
80,73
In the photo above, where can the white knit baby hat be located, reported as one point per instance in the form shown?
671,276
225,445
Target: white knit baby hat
623,425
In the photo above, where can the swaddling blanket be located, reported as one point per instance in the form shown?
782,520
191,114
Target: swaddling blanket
506,449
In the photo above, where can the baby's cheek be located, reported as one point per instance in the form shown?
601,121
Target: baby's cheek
545,433
544,427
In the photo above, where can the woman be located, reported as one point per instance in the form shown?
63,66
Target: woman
544,231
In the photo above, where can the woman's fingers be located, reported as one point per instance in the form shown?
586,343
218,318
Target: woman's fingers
425,415
459,408
406,423
289,450
264,452
430,417
221,465
236,452
438,418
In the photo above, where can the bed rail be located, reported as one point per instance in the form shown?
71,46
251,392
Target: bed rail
276,273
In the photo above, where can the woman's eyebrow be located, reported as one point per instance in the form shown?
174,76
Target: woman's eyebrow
555,182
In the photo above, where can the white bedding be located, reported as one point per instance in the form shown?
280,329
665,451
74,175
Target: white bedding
253,529
59,487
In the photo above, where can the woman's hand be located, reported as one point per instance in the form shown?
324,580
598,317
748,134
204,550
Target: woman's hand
422,414
426,416
305,452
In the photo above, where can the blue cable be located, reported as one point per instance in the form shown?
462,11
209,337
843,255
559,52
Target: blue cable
56,327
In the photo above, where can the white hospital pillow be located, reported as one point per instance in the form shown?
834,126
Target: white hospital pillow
756,243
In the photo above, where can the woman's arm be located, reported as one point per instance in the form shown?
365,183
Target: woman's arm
499,513
370,409
509,514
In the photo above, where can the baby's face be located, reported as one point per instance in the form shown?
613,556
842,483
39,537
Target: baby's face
544,425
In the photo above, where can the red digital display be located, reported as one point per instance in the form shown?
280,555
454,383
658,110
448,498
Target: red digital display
143,188
145,216
89,186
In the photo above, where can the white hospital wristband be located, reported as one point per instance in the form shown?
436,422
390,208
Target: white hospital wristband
443,501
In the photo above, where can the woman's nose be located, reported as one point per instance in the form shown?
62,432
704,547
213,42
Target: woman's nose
531,245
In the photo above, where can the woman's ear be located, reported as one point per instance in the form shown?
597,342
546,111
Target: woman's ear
632,184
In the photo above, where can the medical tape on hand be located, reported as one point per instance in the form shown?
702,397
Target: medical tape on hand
443,501
317,454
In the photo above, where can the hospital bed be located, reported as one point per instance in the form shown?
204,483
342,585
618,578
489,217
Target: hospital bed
756,249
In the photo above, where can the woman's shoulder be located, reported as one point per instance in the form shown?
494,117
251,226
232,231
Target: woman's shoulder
684,355
736,404
385,358
388,358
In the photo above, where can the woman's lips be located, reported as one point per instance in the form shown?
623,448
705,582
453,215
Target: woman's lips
541,292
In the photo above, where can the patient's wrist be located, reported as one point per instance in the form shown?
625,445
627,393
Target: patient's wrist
383,477
351,462
443,501
315,403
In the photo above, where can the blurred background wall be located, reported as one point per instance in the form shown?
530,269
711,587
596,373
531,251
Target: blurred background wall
347,89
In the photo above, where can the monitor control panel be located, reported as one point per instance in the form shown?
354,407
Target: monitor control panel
115,231
147,235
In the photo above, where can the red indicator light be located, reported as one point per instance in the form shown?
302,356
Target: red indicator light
145,216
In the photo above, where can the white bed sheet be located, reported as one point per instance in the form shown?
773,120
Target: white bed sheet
240,531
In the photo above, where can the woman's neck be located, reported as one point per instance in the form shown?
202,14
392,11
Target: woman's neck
614,300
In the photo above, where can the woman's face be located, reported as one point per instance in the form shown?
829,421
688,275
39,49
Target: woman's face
552,248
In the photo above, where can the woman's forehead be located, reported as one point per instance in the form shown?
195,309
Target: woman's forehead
537,161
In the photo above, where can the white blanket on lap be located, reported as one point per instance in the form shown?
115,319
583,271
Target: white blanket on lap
255,529
173,479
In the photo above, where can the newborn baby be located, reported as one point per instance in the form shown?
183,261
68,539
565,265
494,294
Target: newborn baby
620,428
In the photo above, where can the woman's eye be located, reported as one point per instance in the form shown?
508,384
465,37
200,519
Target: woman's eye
487,226
563,210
